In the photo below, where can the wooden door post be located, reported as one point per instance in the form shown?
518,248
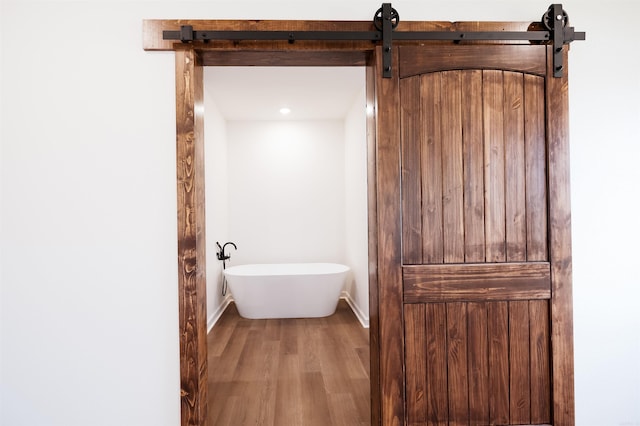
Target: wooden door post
560,245
191,237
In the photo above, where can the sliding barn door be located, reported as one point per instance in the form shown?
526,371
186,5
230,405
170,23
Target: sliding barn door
475,300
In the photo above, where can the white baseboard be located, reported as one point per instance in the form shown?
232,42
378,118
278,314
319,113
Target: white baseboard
215,316
364,319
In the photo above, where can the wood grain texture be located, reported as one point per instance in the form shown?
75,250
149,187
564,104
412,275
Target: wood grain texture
476,281
284,58
494,185
504,378
431,154
437,392
411,139
478,364
539,340
536,168
526,59
389,245
452,169
557,101
519,363
191,237
473,160
457,364
473,167
498,336
416,355
515,213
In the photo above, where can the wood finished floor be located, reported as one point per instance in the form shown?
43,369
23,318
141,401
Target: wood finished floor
289,372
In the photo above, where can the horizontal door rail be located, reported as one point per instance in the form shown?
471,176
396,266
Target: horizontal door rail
476,282
386,19
187,34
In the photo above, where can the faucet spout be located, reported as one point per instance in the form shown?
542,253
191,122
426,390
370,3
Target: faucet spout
221,254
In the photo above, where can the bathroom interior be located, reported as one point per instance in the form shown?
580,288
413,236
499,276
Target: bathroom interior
286,177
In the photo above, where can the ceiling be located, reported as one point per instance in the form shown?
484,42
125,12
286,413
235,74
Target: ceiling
258,93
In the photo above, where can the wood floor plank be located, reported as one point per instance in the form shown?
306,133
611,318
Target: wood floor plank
226,366
289,392
284,372
344,412
315,400
288,404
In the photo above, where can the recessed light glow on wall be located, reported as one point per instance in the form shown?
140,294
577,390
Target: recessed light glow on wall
285,110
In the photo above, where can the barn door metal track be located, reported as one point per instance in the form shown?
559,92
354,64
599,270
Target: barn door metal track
555,21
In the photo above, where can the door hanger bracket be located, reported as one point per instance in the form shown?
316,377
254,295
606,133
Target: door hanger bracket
556,21
386,20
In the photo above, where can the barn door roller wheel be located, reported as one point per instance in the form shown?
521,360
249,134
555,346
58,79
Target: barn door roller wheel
394,17
549,18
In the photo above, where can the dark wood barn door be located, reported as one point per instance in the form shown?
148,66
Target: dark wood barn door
477,306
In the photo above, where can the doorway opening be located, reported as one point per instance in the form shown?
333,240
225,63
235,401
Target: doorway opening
288,188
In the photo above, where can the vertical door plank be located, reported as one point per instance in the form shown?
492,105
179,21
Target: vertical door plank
493,118
437,401
540,369
557,101
473,162
478,364
416,355
535,168
516,231
498,331
457,364
390,309
411,175
452,175
191,237
519,361
432,232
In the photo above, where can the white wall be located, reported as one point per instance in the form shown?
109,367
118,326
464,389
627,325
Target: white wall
286,191
605,178
217,219
89,317
356,227
89,323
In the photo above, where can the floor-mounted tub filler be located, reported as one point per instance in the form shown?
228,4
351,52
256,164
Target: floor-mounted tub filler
286,290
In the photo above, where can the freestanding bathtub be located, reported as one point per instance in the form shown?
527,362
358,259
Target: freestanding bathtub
288,290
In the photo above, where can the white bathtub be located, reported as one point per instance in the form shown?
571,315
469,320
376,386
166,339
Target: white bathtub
288,290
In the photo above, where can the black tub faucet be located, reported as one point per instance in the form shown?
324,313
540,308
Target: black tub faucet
221,254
